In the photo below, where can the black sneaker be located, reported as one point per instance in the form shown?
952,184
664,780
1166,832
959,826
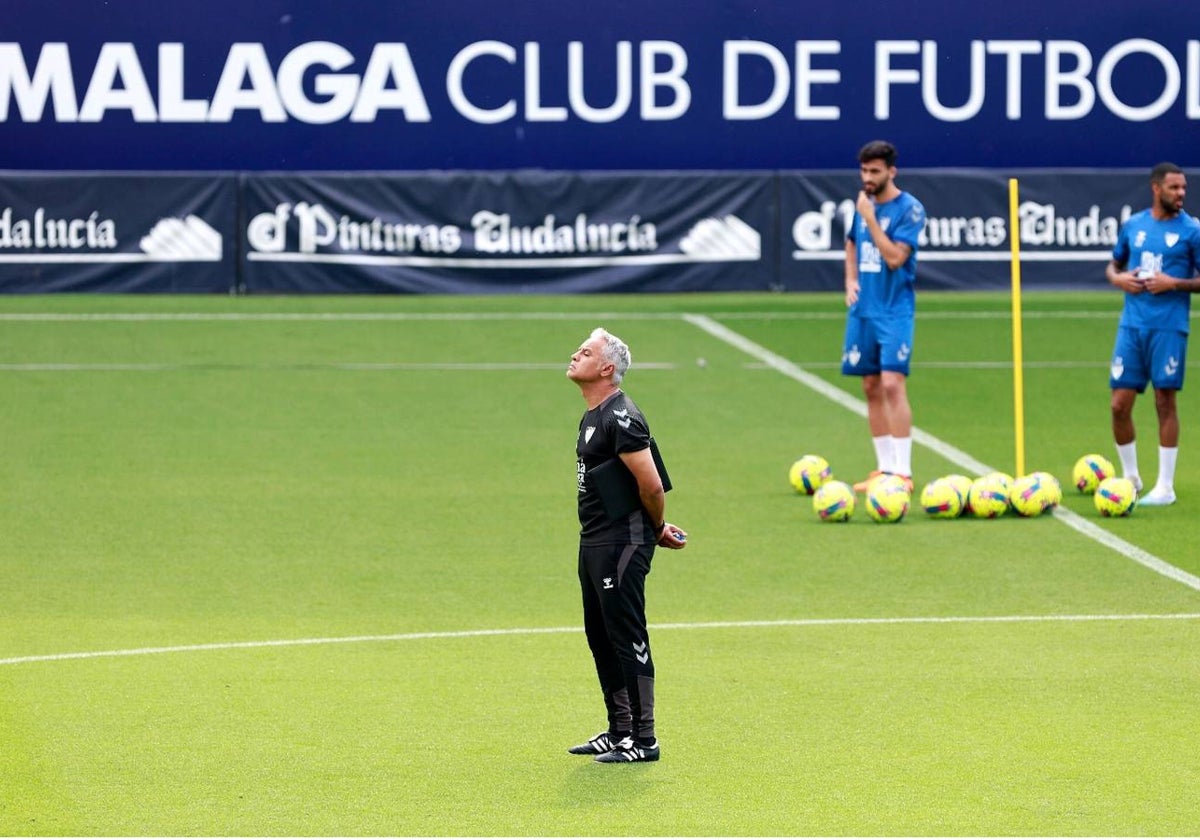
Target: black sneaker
628,749
599,745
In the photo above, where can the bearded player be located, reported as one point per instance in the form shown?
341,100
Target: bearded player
1155,262
881,271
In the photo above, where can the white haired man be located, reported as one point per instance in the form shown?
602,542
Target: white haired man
615,554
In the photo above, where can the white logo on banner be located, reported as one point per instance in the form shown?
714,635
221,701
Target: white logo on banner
727,238
819,234
94,240
298,233
183,239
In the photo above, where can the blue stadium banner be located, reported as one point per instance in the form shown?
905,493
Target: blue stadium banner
537,231
98,232
623,84
525,231
1068,222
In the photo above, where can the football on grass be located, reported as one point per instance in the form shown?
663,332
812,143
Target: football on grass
1115,497
809,473
1028,496
941,499
887,499
1089,471
988,497
834,501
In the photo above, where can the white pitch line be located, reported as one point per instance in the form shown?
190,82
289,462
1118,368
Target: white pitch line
928,315
770,315
150,317
969,256
948,452
540,631
152,367
837,364
120,367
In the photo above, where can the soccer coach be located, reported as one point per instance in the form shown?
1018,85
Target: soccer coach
615,554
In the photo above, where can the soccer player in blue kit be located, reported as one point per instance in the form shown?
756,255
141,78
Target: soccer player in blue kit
1155,262
881,270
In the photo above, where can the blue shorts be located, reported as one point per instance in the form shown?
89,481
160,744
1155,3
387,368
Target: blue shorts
874,345
1142,355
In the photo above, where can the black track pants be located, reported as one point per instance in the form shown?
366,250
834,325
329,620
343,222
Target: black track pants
613,581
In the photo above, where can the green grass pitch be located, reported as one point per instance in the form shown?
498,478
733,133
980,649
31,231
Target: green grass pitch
306,566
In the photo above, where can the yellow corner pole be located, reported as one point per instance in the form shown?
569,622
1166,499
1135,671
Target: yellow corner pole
1018,362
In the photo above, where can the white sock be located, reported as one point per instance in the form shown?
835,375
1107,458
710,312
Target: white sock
1127,452
902,448
1166,466
884,453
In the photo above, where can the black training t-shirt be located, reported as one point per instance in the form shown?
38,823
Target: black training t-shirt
613,427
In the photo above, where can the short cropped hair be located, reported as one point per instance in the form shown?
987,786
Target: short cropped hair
615,351
878,150
1159,173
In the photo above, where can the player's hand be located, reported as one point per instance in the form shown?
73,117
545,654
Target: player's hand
852,288
865,206
1156,284
1129,281
673,537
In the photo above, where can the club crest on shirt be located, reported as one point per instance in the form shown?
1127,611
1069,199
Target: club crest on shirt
1171,239
587,434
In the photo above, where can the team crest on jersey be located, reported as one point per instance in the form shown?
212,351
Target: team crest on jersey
587,434
1171,239
1140,239
885,223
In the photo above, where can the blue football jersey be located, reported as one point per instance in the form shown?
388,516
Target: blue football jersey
885,292
1170,246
